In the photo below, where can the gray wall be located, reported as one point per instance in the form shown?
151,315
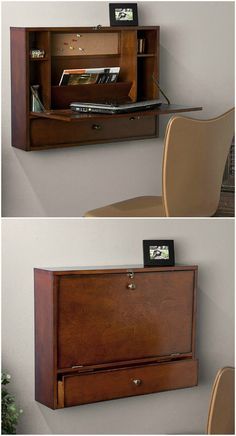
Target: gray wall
197,67
39,243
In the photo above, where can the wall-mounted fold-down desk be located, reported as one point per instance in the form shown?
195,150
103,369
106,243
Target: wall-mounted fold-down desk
105,333
79,48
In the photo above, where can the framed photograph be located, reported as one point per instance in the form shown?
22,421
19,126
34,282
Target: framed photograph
123,14
158,253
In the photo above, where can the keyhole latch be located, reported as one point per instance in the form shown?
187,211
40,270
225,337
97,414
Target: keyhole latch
130,274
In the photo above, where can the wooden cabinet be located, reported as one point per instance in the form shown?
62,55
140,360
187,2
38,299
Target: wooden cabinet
111,333
73,48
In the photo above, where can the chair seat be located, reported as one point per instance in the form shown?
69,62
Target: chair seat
147,206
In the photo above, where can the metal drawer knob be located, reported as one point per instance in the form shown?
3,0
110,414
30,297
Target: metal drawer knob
134,118
131,286
96,127
137,382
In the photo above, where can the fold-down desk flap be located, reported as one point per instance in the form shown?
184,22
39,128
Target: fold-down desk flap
166,109
69,115
58,115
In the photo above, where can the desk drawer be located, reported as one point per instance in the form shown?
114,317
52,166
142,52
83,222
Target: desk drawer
46,132
110,384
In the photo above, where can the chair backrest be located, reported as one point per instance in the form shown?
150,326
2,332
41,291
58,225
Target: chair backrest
195,153
221,410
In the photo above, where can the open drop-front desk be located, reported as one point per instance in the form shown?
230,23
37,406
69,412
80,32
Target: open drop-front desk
95,47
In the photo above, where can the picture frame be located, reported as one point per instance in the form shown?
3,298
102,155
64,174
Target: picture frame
123,14
158,252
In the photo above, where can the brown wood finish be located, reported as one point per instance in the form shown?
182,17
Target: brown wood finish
52,132
128,319
84,29
48,134
135,82
68,115
107,385
128,60
89,322
123,269
45,340
194,316
40,69
148,64
62,96
19,89
60,396
126,363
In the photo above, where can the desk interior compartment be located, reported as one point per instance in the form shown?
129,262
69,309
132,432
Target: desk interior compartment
69,48
82,43
63,96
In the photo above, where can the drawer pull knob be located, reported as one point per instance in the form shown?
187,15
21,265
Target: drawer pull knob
135,118
96,127
131,286
137,382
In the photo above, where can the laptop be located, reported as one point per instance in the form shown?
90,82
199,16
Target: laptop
115,108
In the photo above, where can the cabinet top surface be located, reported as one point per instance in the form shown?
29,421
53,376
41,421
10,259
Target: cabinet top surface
113,269
86,29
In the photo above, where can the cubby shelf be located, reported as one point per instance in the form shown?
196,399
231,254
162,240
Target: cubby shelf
39,59
146,55
68,57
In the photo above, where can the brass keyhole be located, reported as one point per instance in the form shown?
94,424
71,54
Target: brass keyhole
131,274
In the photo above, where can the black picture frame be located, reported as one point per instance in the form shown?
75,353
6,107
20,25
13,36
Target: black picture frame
128,14
158,252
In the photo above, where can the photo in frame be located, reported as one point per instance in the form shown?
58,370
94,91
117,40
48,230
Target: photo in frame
123,14
158,252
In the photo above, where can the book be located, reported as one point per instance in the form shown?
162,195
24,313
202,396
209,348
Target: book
107,78
82,79
89,75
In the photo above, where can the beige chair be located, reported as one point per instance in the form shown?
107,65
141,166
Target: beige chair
195,153
221,410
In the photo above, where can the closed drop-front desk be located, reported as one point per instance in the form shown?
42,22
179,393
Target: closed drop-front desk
109,333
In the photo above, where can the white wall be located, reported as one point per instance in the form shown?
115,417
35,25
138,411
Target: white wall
41,243
197,68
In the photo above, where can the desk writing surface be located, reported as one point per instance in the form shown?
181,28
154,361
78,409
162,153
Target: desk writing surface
69,115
